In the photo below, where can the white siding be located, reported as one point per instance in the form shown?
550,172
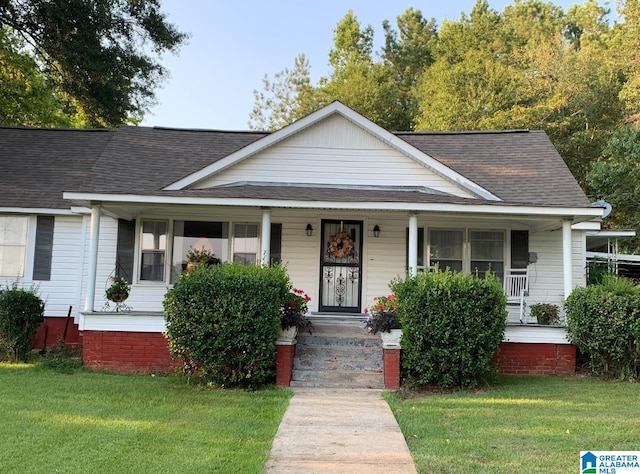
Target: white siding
335,151
61,291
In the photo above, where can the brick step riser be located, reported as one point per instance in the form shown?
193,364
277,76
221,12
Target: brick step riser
338,378
338,364
337,341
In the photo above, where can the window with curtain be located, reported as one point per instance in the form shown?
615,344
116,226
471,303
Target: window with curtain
245,243
153,250
13,245
487,252
445,249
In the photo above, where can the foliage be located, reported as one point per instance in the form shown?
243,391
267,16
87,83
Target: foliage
131,423
615,177
596,271
294,310
62,360
603,321
223,321
21,311
382,316
539,422
104,55
452,326
118,290
545,313
202,256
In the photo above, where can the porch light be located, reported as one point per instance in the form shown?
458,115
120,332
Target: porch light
309,230
376,231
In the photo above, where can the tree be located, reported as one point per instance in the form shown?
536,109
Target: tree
615,177
26,97
285,99
104,54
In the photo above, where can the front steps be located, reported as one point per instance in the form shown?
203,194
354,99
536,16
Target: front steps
338,354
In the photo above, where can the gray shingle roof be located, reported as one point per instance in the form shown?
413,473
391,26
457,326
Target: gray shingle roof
37,165
518,166
521,167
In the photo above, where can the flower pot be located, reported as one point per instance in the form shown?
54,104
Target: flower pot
287,337
118,297
391,339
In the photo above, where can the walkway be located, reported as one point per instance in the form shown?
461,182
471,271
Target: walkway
327,430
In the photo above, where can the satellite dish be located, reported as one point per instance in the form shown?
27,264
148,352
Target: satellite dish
602,203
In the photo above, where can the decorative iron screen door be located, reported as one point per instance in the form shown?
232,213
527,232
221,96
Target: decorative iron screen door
341,266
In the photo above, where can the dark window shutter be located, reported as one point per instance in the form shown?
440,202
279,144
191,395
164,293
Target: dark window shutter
276,243
420,247
125,248
44,248
519,248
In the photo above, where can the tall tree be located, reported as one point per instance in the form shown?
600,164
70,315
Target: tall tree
102,53
615,177
286,98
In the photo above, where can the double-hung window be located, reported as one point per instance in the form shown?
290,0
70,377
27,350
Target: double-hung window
153,250
13,245
487,251
446,249
245,243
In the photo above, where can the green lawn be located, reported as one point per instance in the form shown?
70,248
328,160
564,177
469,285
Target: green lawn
534,424
93,422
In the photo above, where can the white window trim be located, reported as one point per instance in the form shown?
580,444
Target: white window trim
137,264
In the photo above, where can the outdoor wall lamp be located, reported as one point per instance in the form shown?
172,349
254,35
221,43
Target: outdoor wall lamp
309,230
376,231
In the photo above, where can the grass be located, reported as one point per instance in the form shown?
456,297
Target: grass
95,422
534,424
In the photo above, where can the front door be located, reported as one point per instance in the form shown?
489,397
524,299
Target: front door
341,266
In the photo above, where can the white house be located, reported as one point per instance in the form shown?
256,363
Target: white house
136,199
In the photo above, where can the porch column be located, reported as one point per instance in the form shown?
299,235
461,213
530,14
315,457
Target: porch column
265,241
413,244
94,234
567,263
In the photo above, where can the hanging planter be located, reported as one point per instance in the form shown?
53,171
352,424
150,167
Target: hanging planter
119,289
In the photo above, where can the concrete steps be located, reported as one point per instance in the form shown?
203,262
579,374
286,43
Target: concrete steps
338,354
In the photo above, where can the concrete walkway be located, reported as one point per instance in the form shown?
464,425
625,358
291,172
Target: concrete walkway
327,430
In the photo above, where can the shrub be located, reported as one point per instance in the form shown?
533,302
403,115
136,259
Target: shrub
603,321
21,311
223,320
452,326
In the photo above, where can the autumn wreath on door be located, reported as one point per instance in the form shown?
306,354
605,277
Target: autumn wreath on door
340,245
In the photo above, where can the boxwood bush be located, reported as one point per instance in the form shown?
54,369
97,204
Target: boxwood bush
452,326
21,311
223,321
603,321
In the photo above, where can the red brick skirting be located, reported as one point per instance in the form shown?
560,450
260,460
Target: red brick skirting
51,331
391,362
127,352
536,359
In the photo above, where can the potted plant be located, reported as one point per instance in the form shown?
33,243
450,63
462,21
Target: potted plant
203,256
545,313
294,318
382,318
119,289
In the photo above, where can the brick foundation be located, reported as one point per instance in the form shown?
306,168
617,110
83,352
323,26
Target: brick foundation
536,359
391,361
284,364
51,331
127,352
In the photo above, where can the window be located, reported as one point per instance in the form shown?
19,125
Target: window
445,249
487,251
13,245
245,243
212,236
153,249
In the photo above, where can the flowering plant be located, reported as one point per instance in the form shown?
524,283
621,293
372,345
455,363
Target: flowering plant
119,289
381,317
294,309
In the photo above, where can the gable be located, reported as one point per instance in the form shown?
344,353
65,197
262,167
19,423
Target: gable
334,151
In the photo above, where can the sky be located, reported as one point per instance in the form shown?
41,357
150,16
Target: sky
234,44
